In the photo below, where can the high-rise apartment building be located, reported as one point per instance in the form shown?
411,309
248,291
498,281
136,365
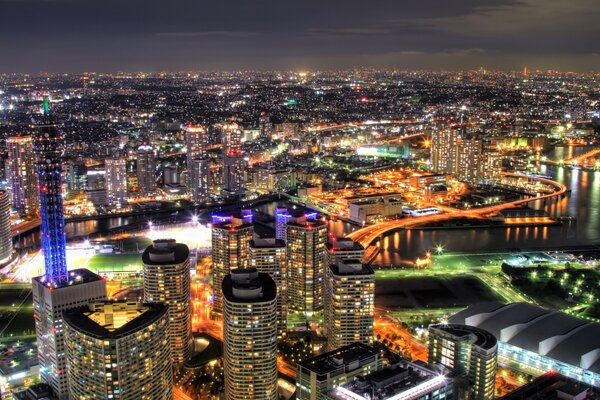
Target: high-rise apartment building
119,350
344,249
116,181
199,179
349,303
230,250
268,255
231,138
472,353
196,141
167,280
6,243
146,171
456,154
21,170
234,167
306,262
250,335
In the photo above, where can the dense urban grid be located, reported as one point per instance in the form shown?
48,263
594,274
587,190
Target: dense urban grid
341,235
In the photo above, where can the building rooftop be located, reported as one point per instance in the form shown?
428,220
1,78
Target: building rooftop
478,337
263,243
76,277
343,357
553,386
165,252
342,243
404,380
127,318
559,336
248,286
351,267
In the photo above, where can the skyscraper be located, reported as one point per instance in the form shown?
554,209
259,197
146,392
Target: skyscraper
116,181
231,138
268,255
57,290
250,335
49,148
167,280
21,169
472,353
6,243
50,300
306,261
469,158
234,167
443,151
456,154
344,249
196,141
146,171
199,179
349,303
230,250
119,350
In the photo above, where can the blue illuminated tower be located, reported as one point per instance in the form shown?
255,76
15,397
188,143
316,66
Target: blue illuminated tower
49,146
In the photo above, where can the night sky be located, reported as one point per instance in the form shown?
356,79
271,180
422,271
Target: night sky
175,35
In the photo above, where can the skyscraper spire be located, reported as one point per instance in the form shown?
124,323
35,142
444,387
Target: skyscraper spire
49,147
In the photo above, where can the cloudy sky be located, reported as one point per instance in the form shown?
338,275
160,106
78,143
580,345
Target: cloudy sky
153,35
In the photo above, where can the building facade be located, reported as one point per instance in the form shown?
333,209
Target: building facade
119,350
234,167
470,352
199,179
306,262
268,255
6,242
349,303
146,171
167,280
21,170
49,302
230,250
250,335
116,181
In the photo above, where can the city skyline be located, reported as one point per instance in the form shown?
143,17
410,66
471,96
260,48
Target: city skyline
266,35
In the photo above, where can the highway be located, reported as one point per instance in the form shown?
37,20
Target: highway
368,234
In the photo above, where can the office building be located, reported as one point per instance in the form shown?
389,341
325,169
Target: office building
319,374
119,350
199,179
21,171
349,303
116,181
146,171
404,380
471,353
306,262
6,243
250,335
230,250
268,255
234,167
535,340
167,280
50,300
343,249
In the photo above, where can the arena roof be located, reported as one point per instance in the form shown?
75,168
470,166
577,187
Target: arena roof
556,335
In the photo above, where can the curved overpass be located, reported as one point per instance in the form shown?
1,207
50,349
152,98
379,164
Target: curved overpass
367,235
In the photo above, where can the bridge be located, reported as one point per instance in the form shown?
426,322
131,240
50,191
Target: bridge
581,159
369,234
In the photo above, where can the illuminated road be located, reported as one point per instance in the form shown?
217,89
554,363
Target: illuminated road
367,235
579,159
25,226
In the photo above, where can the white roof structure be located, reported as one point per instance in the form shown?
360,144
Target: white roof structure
552,334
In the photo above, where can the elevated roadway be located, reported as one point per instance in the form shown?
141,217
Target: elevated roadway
369,234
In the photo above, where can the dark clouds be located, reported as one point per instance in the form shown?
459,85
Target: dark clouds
108,35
